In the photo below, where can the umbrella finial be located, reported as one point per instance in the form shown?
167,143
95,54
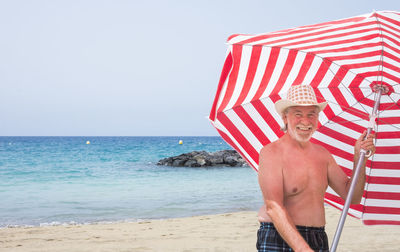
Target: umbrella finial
382,87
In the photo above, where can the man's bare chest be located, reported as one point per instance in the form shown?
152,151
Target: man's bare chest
304,175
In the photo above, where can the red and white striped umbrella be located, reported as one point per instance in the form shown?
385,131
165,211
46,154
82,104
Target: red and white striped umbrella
346,62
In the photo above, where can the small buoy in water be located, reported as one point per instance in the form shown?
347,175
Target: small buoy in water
180,142
87,142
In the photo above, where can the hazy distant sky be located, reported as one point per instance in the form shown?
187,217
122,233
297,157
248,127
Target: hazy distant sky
131,68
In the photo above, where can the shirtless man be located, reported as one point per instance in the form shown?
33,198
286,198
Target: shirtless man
294,175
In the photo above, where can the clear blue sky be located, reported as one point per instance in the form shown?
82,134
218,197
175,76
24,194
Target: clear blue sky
131,68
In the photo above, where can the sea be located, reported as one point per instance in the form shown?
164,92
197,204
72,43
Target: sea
86,180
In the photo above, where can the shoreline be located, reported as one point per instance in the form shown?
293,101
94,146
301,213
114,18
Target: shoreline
117,221
235,231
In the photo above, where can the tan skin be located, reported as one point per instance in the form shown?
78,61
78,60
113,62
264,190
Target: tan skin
295,173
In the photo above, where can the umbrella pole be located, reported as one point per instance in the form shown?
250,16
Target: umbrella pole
354,181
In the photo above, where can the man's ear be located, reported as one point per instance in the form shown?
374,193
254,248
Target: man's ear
284,118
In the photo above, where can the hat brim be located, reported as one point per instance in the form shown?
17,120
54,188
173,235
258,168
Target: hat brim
283,104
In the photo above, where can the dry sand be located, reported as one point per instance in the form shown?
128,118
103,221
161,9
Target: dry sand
222,232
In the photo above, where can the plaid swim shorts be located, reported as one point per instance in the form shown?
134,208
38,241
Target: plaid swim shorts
269,240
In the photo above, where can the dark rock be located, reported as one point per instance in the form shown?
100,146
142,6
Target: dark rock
191,163
178,162
205,159
231,160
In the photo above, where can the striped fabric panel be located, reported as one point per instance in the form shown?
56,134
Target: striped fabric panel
342,60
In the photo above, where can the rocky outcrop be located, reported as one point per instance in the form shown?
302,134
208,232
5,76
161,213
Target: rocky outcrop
205,159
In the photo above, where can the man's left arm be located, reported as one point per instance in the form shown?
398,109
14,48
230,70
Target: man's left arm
366,143
338,180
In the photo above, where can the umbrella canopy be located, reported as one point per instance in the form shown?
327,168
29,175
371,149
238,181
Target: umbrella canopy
349,63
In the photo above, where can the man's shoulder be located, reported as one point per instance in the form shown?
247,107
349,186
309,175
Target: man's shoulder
319,149
270,154
272,147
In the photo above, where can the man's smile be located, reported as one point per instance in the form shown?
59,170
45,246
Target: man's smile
304,128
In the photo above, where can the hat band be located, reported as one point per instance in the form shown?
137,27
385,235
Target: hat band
306,102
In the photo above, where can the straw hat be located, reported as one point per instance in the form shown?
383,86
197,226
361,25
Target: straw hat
299,95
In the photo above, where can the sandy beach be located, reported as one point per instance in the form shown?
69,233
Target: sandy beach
222,232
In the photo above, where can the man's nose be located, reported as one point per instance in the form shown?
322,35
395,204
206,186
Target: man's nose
305,120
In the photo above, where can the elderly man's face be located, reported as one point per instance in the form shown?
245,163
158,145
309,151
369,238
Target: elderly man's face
301,122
